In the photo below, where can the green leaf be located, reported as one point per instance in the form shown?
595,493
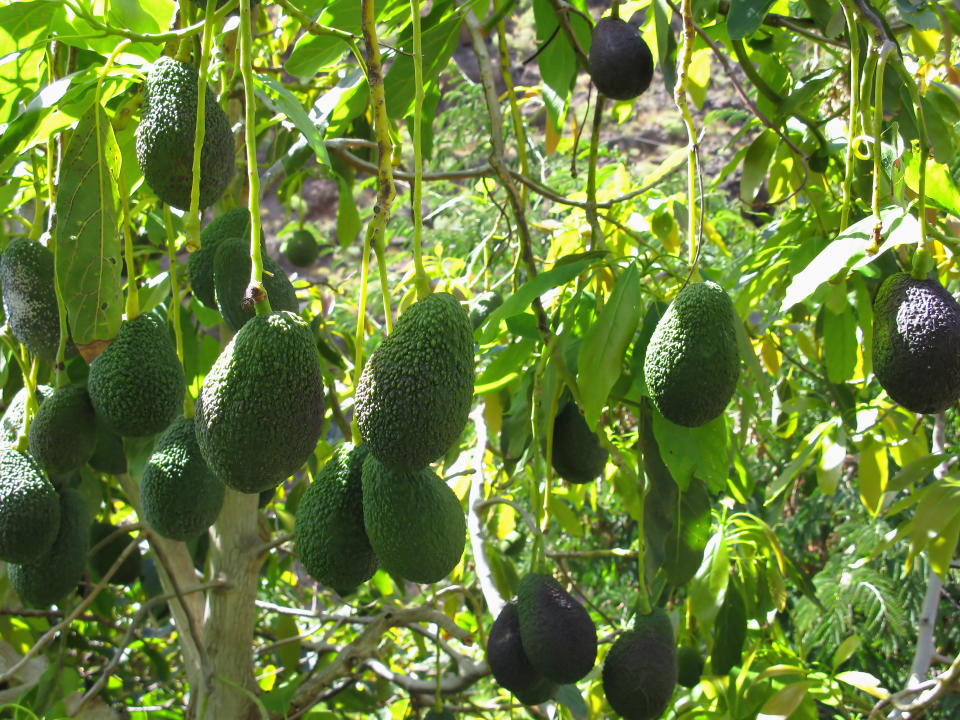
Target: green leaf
88,244
873,471
312,125
563,514
830,465
569,696
348,217
506,365
710,581
756,163
936,518
699,451
746,17
660,497
517,303
600,361
849,250
940,185
839,344
688,538
557,62
666,43
914,471
846,650
730,632
782,703
943,547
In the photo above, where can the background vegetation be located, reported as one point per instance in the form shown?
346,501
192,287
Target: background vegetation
822,152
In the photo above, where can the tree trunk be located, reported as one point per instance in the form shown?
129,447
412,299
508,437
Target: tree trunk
231,612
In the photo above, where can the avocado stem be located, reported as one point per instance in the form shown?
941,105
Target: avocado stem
421,280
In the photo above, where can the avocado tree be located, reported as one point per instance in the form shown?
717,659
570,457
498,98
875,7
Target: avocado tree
696,460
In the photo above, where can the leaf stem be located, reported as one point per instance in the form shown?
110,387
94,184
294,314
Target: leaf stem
680,98
596,233
420,277
884,53
853,32
255,290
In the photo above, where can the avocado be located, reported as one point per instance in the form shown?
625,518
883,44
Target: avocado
620,62
29,507
577,454
484,304
328,529
916,343
63,433
29,297
108,453
441,714
558,635
231,224
640,671
301,248
689,666
692,361
416,389
260,409
102,559
55,573
508,662
180,496
11,424
231,275
165,136
414,521
137,384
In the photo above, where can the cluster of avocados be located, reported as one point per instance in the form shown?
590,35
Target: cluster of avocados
378,503
540,640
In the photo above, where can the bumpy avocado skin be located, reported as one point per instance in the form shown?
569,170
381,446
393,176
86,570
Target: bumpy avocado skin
12,421
640,671
414,521
102,560
29,298
916,343
137,384
231,275
179,494
508,662
63,433
692,361
577,454
620,62
260,410
29,508
231,224
50,577
165,136
328,529
416,389
558,635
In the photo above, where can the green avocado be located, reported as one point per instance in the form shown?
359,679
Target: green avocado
508,662
640,671
916,343
29,297
29,508
620,62
231,224
260,410
416,389
558,635
414,521
137,384
689,666
328,529
231,275
301,248
102,559
11,424
578,456
51,576
165,136
179,494
692,361
63,433
108,453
